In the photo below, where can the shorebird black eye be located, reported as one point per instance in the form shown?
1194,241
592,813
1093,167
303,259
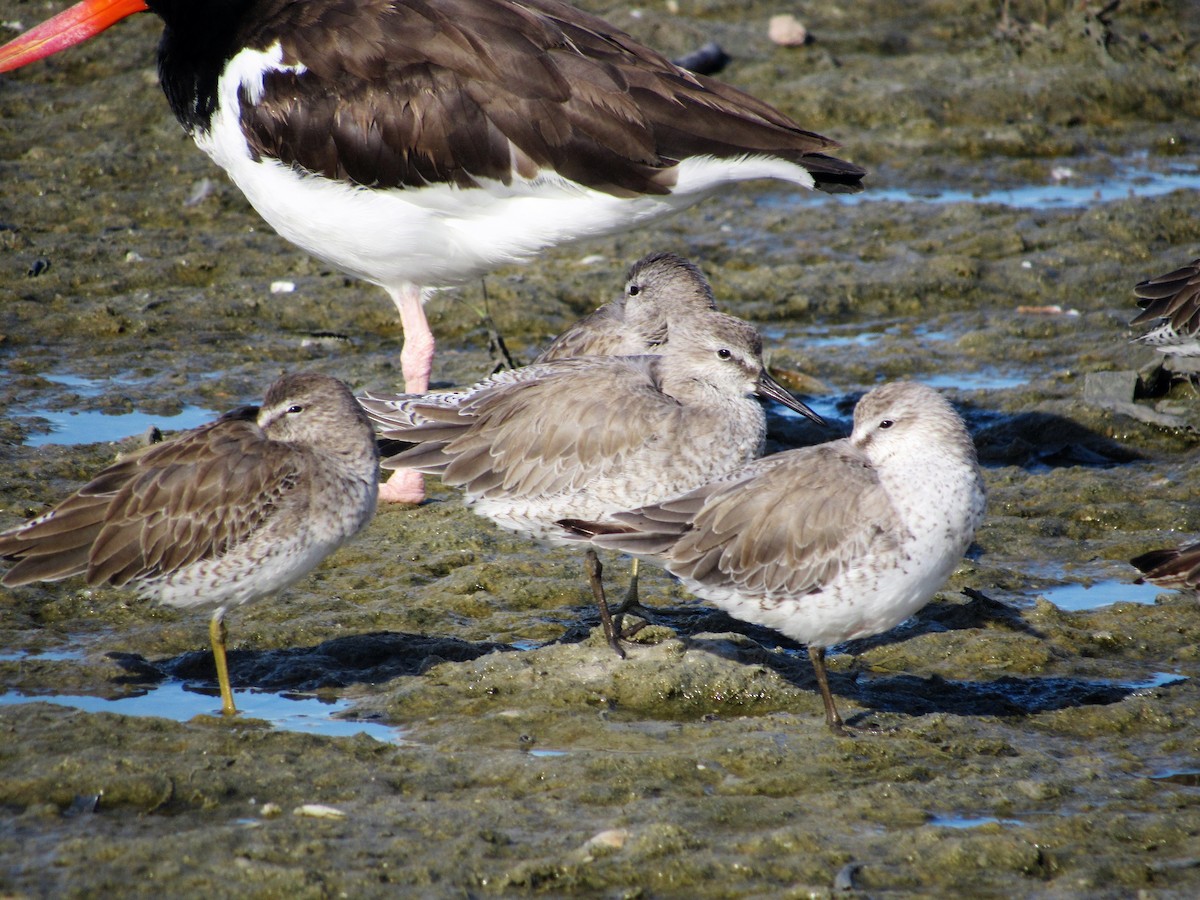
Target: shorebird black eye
724,353
887,423
634,290
295,409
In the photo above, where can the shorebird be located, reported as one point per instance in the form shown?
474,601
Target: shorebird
659,288
826,543
1173,567
419,144
1172,303
218,516
588,436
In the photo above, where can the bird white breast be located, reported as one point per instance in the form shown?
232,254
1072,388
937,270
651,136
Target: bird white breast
438,235
268,567
286,549
941,507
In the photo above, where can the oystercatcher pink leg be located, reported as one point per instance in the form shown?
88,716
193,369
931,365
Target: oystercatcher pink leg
416,364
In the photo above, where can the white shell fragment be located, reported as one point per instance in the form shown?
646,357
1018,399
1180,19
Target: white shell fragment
318,811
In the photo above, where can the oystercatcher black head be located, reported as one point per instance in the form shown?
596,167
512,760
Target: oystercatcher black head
421,143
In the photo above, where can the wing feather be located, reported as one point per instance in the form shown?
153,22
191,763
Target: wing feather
415,92
784,524
534,437
189,499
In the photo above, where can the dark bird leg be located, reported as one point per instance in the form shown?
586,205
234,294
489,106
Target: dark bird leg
631,604
832,719
594,570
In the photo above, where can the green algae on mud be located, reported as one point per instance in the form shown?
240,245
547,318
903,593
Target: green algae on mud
1003,747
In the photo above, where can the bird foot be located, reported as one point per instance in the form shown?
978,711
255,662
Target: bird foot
405,486
630,606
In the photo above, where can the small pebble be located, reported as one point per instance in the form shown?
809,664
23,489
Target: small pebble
82,804
282,287
845,878
787,31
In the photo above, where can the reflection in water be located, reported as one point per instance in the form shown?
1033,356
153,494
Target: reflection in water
1077,597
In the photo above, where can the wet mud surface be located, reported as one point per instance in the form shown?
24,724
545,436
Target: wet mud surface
1002,746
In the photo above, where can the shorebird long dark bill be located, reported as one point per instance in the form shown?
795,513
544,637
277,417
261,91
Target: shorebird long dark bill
769,387
70,27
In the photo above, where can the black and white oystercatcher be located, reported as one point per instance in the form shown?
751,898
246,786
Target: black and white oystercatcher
418,144
221,515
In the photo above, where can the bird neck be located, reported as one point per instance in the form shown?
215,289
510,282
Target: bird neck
199,38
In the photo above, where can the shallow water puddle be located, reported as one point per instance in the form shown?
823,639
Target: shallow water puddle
1067,189
982,380
970,821
1076,597
857,334
836,406
1155,680
92,426
52,655
1185,777
174,700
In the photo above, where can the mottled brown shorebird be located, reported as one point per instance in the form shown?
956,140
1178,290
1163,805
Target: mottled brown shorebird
659,288
218,516
1170,567
827,543
1172,303
589,436
419,145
